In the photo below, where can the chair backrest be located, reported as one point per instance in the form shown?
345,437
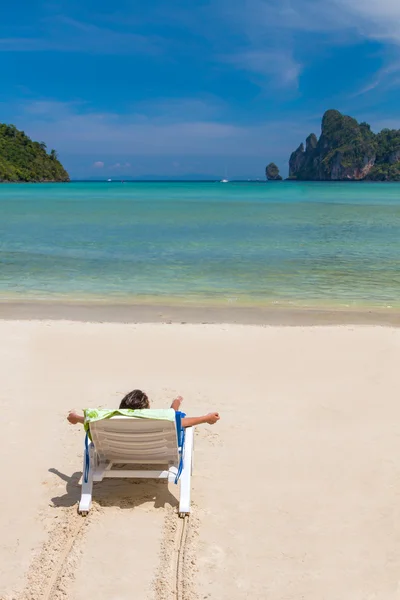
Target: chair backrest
141,441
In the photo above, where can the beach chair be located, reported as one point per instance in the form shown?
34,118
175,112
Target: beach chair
120,443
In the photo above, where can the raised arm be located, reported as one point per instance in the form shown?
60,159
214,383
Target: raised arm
211,419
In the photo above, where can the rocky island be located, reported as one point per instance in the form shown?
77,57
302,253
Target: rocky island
272,172
347,150
22,160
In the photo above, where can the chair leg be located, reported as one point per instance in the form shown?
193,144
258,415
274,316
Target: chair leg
87,486
184,500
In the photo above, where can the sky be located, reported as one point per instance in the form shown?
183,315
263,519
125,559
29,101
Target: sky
182,89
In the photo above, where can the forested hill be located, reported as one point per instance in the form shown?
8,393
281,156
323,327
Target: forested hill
21,159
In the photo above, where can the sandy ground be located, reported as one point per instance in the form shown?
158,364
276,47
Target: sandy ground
296,490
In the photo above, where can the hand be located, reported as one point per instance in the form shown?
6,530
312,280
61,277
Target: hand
73,418
177,403
212,418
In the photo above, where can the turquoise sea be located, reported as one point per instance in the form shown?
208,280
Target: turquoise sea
285,243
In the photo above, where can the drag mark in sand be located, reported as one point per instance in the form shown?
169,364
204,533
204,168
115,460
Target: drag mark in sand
180,561
53,569
177,568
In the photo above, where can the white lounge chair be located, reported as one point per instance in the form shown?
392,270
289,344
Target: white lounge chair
147,442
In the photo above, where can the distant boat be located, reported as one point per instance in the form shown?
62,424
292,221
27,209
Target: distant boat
109,179
225,179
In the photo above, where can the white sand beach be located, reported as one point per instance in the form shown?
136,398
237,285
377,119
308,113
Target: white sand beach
296,491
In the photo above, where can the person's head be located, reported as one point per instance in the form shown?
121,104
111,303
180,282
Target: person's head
136,400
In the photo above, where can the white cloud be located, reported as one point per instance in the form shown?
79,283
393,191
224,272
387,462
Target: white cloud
63,34
119,165
275,64
98,164
373,19
271,28
206,107
263,21
386,78
68,129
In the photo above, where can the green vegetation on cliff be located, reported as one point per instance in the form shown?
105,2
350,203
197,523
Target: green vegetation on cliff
21,159
347,150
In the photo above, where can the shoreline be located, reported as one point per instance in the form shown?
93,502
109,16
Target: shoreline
147,313
215,180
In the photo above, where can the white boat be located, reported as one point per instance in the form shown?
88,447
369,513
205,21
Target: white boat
109,179
224,181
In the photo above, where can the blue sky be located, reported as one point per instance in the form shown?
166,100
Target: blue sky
178,88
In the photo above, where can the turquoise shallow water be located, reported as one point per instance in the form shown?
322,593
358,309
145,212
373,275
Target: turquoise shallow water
237,243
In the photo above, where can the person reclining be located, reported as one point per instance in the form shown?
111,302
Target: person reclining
138,400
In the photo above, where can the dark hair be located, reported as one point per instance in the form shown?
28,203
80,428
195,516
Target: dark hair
136,399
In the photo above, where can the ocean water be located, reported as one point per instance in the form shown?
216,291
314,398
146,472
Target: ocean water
307,244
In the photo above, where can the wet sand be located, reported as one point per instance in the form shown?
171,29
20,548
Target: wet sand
105,312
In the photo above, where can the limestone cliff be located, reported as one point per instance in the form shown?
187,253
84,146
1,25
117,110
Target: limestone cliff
347,150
